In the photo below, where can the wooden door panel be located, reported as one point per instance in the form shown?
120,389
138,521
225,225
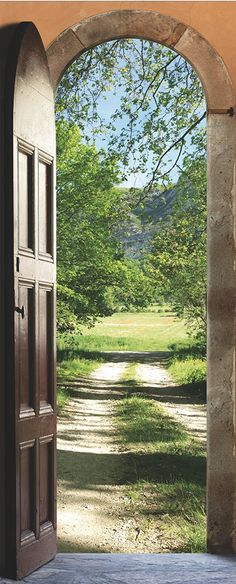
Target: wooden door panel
31,501
26,349
46,510
45,207
45,349
25,196
27,492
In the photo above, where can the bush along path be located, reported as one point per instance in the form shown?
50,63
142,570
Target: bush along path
131,469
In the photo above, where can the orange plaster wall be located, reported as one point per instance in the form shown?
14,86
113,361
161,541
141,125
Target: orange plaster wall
216,21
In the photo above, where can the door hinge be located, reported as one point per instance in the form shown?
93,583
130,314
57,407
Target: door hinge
17,264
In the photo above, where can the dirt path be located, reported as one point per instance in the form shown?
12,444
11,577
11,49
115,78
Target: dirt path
86,453
94,512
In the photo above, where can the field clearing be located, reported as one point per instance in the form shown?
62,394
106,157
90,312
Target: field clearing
148,331
125,331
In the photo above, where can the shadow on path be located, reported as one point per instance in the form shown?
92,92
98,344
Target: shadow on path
86,388
115,356
127,468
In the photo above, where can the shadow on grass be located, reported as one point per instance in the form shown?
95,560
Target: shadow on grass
190,393
81,470
186,350
75,353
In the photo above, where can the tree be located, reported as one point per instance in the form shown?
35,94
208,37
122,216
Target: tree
158,105
90,208
178,258
133,288
155,126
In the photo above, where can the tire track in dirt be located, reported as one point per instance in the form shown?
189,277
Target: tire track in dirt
177,404
91,468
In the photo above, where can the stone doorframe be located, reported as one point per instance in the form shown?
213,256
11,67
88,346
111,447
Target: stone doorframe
220,97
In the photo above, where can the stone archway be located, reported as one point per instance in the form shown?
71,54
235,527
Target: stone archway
220,97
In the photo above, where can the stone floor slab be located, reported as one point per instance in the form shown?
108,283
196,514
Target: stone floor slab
135,569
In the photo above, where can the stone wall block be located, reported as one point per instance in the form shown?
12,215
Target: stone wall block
221,333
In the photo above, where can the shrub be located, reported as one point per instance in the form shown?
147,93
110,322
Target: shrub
188,370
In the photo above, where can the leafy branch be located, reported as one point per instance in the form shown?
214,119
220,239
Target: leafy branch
180,140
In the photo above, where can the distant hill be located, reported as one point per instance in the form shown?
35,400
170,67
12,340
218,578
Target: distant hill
140,227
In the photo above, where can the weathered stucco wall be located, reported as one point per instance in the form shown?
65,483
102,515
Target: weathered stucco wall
216,21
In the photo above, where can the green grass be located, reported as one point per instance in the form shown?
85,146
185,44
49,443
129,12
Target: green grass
191,370
70,370
142,421
129,376
178,508
125,331
170,473
62,398
188,366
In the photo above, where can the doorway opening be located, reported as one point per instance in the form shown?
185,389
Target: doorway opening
220,96
130,271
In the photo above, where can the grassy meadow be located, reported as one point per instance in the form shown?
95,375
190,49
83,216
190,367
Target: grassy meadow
126,331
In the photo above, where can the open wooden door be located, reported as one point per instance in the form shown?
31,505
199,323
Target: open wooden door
30,306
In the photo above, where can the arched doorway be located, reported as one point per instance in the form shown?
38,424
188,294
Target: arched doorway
221,257
221,279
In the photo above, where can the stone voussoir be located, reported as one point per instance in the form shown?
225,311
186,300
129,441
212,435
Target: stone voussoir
209,67
129,23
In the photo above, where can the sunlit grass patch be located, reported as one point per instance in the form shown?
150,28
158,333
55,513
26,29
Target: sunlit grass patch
191,370
187,365
177,509
129,376
126,331
71,369
189,533
143,421
62,398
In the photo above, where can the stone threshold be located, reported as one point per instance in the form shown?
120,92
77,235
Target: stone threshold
97,568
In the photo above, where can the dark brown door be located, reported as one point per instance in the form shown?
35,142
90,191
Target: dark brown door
30,307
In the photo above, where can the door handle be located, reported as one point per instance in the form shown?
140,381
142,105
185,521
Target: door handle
20,310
